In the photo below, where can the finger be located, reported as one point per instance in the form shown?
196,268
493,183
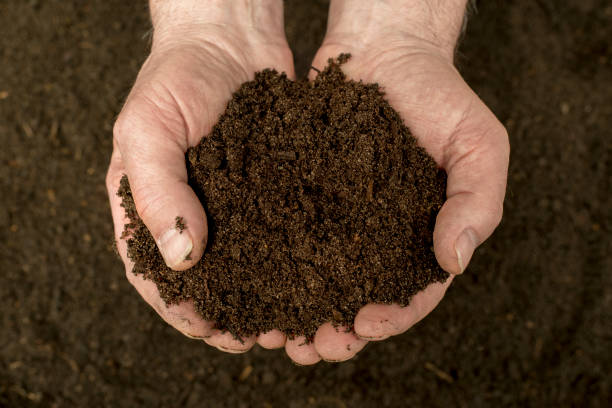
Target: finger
182,317
272,340
153,144
226,342
300,352
335,344
476,160
378,322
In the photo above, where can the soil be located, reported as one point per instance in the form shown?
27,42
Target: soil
319,201
527,325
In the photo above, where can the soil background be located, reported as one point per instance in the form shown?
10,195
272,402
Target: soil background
529,324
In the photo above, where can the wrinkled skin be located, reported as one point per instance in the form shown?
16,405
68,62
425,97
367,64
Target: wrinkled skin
180,92
185,85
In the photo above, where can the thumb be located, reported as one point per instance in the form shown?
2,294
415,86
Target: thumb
153,147
476,161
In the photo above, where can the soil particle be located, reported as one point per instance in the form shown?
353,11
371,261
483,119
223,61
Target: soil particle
319,201
180,224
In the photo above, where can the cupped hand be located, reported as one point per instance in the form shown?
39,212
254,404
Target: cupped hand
194,66
183,87
456,128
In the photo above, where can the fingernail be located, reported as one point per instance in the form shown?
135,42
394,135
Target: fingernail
194,337
373,338
376,330
231,350
464,248
174,246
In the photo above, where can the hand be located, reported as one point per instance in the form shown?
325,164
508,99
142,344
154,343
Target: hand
201,53
408,48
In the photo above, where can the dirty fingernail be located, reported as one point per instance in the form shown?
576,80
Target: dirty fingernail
231,350
373,338
195,337
464,248
175,246
374,329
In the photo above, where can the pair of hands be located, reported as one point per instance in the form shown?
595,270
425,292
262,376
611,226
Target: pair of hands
201,53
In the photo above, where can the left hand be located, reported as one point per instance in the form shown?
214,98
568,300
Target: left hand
448,119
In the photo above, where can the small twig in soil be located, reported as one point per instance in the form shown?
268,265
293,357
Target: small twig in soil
370,192
439,373
285,155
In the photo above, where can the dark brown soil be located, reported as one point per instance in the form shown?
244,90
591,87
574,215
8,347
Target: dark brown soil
319,201
527,325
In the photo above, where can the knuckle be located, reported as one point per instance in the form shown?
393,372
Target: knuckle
120,128
148,203
503,140
129,120
112,179
494,215
499,214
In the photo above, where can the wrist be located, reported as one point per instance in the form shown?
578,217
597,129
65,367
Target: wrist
432,24
185,20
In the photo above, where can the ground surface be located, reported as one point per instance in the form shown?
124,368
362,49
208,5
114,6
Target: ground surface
528,325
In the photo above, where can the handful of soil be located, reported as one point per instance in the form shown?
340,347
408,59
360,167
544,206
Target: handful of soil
319,201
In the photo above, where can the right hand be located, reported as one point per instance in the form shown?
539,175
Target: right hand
201,53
